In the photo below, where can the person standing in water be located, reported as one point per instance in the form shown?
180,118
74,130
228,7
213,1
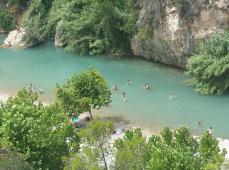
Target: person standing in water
147,86
128,82
124,96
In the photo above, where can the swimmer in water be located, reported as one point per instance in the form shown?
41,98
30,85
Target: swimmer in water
128,82
124,96
146,87
172,96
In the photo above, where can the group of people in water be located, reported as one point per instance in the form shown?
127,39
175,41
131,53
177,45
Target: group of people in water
145,87
128,83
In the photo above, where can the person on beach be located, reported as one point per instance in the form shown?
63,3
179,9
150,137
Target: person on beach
9,44
124,96
128,82
114,88
199,123
210,130
41,91
30,87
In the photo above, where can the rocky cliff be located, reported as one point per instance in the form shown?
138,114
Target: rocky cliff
19,38
169,31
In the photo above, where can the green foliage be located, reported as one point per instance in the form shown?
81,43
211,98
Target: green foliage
38,132
35,19
183,6
209,152
17,2
144,33
6,20
96,147
176,150
209,70
84,91
132,151
11,160
94,26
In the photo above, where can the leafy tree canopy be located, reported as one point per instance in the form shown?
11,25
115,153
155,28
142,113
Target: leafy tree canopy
38,132
89,27
6,20
84,91
95,149
176,150
209,70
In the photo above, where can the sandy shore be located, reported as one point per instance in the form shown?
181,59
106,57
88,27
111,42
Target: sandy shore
4,97
122,124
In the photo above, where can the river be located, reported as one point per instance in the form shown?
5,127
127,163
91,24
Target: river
46,65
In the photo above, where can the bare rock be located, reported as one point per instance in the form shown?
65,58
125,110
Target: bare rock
19,38
170,33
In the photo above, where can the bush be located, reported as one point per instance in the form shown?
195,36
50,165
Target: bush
37,132
17,2
208,71
6,20
35,19
93,27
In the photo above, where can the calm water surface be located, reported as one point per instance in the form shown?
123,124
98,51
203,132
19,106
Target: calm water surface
45,65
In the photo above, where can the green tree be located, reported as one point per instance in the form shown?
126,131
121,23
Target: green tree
208,71
94,26
23,3
38,132
176,150
95,147
84,91
35,19
209,151
6,20
11,160
132,151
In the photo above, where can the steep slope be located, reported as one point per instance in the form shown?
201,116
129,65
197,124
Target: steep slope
169,31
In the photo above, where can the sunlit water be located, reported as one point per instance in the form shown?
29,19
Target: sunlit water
45,65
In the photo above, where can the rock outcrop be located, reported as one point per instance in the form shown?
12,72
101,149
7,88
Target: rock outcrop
58,35
19,38
169,31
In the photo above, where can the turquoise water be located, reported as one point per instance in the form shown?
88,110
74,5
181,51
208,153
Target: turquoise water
45,65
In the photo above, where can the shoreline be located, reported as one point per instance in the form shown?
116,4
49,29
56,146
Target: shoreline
121,123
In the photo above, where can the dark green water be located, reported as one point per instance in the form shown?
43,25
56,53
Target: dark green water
45,65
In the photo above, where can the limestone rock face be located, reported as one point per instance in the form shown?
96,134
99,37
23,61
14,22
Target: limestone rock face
170,31
19,38
58,41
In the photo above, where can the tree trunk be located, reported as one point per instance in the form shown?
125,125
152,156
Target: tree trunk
90,114
104,159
